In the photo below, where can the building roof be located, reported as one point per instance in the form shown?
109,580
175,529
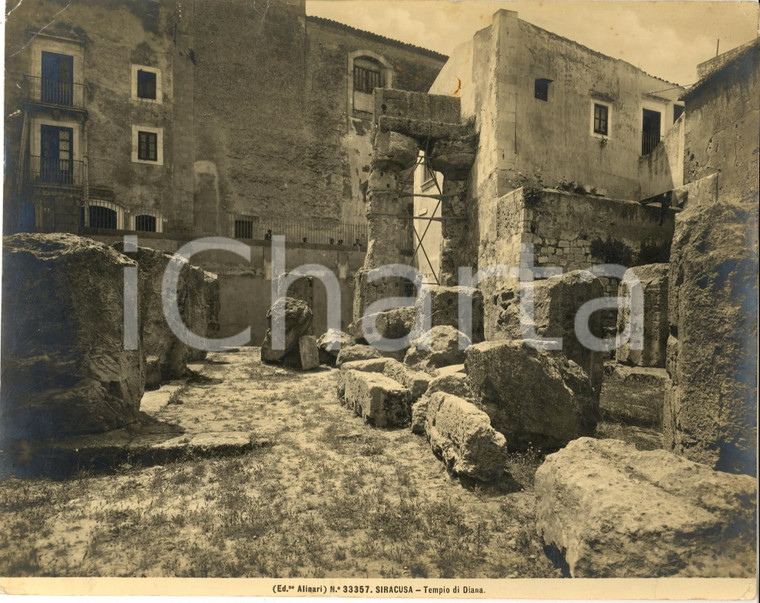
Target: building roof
377,37
739,62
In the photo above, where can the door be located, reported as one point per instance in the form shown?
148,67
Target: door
57,79
650,136
56,165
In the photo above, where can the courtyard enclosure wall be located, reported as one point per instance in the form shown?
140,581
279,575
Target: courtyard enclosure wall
245,288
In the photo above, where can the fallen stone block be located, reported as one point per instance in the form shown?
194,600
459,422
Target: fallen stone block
309,353
153,378
611,511
65,370
461,434
296,316
654,282
441,346
556,302
415,381
330,344
532,396
355,352
444,308
633,395
381,401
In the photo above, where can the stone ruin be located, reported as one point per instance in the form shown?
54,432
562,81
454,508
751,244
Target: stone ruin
66,371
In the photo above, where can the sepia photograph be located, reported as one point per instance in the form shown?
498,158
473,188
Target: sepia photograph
380,298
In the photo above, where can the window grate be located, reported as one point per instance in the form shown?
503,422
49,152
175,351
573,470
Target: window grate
366,80
244,229
145,223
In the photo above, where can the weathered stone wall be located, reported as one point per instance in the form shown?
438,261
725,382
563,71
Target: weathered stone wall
554,139
722,122
245,289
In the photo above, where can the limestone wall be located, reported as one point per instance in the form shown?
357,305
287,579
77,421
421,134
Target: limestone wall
662,169
245,287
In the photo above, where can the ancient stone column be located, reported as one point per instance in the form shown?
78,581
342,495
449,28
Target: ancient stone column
454,159
386,229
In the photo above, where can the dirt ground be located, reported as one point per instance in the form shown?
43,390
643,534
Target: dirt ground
331,497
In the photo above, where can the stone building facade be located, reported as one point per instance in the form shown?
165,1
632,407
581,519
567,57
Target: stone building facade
220,117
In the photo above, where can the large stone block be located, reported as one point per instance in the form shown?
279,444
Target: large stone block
296,316
441,346
444,308
65,370
331,343
381,401
634,395
355,352
415,381
461,434
654,282
712,407
612,511
308,352
556,302
197,299
532,396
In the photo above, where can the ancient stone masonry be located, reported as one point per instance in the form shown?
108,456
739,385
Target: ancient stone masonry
198,303
609,510
296,317
405,123
65,369
711,413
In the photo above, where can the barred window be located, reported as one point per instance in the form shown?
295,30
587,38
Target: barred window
367,79
244,229
145,223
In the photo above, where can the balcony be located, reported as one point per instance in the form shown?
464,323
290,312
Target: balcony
55,93
65,173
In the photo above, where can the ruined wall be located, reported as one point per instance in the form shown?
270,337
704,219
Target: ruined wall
662,169
245,288
722,124
342,137
572,232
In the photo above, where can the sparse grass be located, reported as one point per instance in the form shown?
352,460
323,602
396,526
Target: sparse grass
331,497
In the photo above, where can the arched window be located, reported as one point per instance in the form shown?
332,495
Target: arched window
102,214
145,223
367,70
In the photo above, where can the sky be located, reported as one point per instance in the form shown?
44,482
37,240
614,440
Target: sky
666,39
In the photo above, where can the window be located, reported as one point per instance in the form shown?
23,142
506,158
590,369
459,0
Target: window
677,112
650,130
145,223
541,89
601,119
55,161
146,84
366,79
57,81
244,229
101,217
147,146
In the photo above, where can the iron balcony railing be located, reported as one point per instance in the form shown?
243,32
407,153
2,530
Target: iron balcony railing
649,140
55,92
316,231
54,171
